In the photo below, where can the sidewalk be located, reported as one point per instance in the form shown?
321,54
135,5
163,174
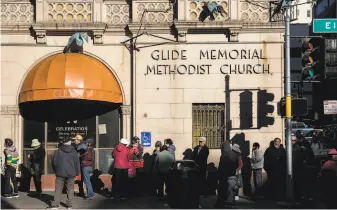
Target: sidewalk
101,202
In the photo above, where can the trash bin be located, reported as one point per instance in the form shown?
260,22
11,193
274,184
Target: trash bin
183,185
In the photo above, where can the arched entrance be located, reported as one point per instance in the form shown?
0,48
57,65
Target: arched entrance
69,94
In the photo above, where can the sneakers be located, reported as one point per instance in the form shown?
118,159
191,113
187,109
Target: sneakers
53,207
89,198
8,196
15,195
69,207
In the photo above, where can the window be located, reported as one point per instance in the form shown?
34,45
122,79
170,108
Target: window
105,130
308,13
208,120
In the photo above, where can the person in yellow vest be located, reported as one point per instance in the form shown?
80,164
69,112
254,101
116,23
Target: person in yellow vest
11,164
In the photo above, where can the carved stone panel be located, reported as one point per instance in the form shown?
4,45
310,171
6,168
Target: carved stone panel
164,11
9,110
196,7
17,13
70,12
117,13
254,11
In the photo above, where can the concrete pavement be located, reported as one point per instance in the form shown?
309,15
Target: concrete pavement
101,202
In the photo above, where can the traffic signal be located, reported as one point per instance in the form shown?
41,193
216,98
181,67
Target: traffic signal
299,107
330,58
246,109
264,109
313,58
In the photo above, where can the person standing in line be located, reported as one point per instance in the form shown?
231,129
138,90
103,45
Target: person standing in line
136,150
236,149
122,157
200,156
329,180
163,161
37,161
228,166
275,166
86,158
66,165
153,172
11,164
257,160
171,147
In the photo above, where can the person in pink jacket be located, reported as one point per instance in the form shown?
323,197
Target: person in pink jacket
121,155
329,178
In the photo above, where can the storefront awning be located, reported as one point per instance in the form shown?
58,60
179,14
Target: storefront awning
64,79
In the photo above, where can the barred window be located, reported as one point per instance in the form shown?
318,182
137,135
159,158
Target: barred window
209,121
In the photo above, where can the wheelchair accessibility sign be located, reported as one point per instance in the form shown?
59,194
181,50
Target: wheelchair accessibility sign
146,139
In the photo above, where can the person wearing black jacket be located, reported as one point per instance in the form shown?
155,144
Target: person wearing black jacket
66,166
37,164
200,156
275,166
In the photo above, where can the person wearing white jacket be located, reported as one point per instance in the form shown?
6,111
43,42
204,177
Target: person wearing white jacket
257,160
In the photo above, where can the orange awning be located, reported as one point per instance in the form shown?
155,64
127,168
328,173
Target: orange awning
70,76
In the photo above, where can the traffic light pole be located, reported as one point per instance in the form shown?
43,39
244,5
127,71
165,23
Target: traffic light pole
287,85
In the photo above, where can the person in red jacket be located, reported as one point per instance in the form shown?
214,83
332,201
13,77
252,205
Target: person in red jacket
122,156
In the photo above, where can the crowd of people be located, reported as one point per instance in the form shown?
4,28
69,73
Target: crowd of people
75,157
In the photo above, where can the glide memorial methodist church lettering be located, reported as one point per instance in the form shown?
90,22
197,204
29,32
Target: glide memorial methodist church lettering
243,66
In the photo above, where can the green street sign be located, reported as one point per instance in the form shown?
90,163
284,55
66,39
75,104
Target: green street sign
328,25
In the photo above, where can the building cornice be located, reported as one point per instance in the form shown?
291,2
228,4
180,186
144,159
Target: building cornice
94,29
154,28
16,29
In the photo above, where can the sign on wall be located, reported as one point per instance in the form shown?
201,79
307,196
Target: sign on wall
330,107
208,61
145,139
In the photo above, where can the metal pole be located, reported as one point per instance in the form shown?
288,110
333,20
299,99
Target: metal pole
287,85
228,108
132,48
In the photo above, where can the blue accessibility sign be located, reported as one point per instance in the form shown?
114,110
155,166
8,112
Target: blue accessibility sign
146,139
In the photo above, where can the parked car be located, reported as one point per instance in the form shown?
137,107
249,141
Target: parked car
300,126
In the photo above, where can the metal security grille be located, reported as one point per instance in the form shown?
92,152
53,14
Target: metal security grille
209,121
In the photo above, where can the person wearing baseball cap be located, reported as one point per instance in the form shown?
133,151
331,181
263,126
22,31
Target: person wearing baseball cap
200,156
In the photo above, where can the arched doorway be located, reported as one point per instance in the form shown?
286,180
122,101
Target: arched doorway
69,94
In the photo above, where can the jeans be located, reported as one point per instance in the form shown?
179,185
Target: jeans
10,174
37,178
86,171
120,182
59,184
257,178
227,191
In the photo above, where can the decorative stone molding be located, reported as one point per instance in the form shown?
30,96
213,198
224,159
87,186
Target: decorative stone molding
41,36
254,11
61,11
117,12
98,36
9,110
126,109
233,35
157,11
195,7
17,12
182,36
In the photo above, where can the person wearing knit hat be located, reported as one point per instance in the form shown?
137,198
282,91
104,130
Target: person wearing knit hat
37,164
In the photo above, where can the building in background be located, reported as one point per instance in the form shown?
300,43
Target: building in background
171,86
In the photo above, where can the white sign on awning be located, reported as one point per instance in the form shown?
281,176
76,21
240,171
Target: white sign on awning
330,107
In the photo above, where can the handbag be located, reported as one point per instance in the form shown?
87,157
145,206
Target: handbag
112,167
131,170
